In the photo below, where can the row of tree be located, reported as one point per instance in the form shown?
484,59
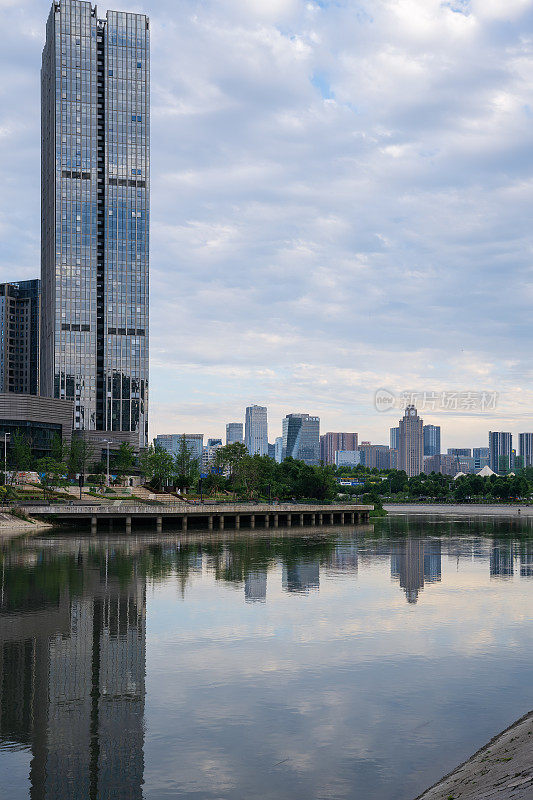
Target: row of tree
396,484
235,472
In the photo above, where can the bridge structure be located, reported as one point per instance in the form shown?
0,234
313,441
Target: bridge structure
184,517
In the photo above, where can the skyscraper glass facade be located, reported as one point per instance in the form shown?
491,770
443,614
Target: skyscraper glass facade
256,430
301,438
95,215
431,440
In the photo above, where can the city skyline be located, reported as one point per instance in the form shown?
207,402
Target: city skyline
209,263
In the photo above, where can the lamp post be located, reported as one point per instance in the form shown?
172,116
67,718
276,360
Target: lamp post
108,442
6,437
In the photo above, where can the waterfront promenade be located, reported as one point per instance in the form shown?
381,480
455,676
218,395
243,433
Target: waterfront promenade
185,517
463,510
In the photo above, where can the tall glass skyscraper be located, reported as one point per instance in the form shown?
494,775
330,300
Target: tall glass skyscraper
95,216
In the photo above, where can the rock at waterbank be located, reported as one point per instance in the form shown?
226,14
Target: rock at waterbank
502,770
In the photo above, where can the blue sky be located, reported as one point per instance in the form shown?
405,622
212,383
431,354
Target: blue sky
341,201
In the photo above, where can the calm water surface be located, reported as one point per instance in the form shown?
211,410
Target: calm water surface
345,663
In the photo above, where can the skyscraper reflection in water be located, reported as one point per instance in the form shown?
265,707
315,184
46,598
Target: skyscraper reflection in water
415,562
72,677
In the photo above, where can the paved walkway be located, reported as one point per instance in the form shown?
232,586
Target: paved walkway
465,510
503,770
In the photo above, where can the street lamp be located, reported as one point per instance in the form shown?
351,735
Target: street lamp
107,442
7,437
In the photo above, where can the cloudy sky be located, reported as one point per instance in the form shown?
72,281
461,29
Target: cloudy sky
341,202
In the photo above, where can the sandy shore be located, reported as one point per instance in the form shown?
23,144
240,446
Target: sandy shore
460,510
502,770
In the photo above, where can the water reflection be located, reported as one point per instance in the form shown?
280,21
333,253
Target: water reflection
72,673
73,644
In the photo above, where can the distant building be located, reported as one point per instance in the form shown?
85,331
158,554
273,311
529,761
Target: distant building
330,443
525,443
256,430
234,432
500,451
375,456
466,464
171,442
394,438
301,438
431,440
209,453
460,451
20,316
411,443
271,451
278,449
481,458
442,464
393,459
347,458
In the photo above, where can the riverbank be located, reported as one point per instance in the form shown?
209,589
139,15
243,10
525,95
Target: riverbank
11,526
463,510
502,770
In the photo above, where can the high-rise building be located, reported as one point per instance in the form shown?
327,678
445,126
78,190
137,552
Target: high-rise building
20,305
278,449
256,430
411,443
301,438
441,464
525,442
460,451
394,438
234,432
347,458
331,443
171,442
374,455
431,440
95,216
500,451
481,457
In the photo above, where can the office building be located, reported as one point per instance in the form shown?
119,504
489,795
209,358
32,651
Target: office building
331,443
431,440
301,438
481,456
411,443
171,442
234,432
374,455
20,316
500,451
256,431
272,451
525,443
278,449
39,420
95,183
460,451
394,438
466,464
441,464
347,458
209,454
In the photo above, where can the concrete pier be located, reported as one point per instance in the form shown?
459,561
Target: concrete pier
201,517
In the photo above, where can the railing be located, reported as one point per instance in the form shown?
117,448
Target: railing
176,509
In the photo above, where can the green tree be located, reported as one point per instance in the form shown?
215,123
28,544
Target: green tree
124,460
20,455
80,456
157,465
185,466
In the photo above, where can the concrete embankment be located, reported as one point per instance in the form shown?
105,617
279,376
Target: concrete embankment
459,510
502,770
11,526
